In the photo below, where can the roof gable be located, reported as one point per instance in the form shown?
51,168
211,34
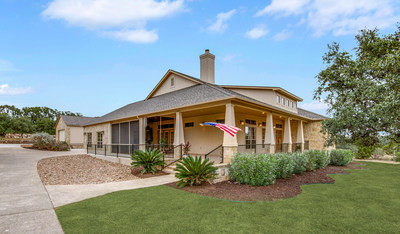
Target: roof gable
181,81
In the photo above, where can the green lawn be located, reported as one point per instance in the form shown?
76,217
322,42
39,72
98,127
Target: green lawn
364,201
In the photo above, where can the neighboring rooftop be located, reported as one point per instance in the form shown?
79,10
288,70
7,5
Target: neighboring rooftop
76,120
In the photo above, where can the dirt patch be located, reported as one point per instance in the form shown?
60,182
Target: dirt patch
81,169
137,172
283,188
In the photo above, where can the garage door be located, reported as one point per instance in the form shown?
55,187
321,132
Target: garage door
61,135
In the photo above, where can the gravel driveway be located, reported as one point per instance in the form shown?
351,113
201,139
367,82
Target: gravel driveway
25,206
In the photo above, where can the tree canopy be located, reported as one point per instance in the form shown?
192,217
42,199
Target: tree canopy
29,119
362,89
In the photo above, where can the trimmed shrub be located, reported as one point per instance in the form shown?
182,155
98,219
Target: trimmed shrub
194,171
285,165
316,159
253,169
341,157
61,146
397,156
148,159
300,162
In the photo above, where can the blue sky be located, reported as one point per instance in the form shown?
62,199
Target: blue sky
92,56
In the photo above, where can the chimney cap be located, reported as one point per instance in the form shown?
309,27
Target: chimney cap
207,51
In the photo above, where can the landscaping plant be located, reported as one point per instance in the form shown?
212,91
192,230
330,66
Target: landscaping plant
148,159
194,171
253,169
284,165
300,162
186,148
42,140
341,157
316,159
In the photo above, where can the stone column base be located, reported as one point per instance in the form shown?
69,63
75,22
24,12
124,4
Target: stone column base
228,153
286,148
269,149
177,151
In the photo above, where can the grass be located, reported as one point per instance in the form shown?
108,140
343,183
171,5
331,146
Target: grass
363,201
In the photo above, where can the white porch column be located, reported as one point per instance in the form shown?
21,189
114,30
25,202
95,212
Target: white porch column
300,135
142,133
179,137
269,134
229,144
287,136
109,134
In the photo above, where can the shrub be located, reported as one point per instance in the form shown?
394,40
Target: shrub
61,146
148,159
341,157
300,162
194,171
285,165
254,169
364,152
316,159
42,140
397,156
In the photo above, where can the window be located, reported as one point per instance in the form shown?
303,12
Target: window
278,99
278,125
220,121
100,140
295,105
172,81
89,139
291,103
287,103
250,137
283,101
190,124
250,121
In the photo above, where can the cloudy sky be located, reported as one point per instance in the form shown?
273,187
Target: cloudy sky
93,56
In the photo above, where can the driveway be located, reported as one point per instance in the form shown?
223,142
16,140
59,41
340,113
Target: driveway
25,206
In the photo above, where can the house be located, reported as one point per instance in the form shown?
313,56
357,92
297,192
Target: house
171,114
70,130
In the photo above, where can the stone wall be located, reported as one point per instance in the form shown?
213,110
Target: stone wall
62,126
313,134
94,129
223,173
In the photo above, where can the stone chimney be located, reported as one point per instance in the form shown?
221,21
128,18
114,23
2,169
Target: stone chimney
207,67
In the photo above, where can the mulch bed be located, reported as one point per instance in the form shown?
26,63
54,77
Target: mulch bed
137,172
283,188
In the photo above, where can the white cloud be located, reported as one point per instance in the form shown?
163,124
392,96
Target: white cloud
124,17
315,106
6,66
257,32
5,89
135,36
339,17
283,35
285,7
220,25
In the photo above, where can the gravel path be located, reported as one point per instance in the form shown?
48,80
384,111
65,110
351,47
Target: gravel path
81,169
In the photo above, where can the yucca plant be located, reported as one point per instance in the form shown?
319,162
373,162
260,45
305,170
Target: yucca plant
148,159
194,171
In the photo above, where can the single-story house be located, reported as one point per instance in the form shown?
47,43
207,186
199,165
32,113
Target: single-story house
70,130
173,111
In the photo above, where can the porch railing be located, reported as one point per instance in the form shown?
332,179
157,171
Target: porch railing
216,154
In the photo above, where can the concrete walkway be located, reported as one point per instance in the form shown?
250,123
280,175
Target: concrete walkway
25,206
64,194
376,161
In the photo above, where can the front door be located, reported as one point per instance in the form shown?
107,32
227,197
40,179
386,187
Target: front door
168,136
278,140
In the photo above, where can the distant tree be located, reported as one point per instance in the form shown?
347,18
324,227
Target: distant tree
10,110
45,125
363,91
22,125
5,124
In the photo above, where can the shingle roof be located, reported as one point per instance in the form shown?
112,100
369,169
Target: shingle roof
196,94
76,120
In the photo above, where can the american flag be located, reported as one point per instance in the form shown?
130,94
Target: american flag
231,130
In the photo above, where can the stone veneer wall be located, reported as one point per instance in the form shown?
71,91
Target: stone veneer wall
62,126
313,134
94,129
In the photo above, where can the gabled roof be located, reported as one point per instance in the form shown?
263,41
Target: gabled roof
165,77
310,114
194,95
276,89
75,120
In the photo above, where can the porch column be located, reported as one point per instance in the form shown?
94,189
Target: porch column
300,135
142,133
109,134
287,137
229,144
269,134
178,135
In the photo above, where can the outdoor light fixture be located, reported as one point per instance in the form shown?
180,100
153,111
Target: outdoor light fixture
260,125
263,112
241,122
